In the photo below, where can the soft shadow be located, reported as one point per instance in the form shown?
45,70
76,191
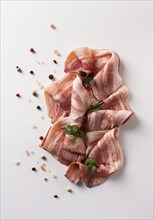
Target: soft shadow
133,124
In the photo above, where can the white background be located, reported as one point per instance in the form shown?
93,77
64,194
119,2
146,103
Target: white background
125,27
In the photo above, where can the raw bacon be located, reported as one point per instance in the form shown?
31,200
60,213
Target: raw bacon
92,111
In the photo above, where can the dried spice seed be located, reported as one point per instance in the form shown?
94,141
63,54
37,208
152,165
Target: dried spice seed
46,179
51,76
18,95
43,157
34,169
41,137
56,196
57,52
32,50
18,69
43,167
55,61
38,107
69,190
52,26
34,93
32,72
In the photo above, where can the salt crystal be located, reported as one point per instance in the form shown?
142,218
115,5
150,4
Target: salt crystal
17,162
33,126
38,82
42,87
42,117
54,176
27,152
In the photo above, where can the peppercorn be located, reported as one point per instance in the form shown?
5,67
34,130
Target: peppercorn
32,50
31,72
18,69
50,76
41,137
34,93
69,190
43,157
18,95
55,61
46,179
38,107
34,169
55,196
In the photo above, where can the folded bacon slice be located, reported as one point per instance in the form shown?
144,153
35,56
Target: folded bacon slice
108,156
80,100
104,64
58,97
106,119
60,145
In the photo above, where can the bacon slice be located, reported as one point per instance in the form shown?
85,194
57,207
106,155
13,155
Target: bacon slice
59,144
103,63
58,97
108,156
80,100
106,119
118,100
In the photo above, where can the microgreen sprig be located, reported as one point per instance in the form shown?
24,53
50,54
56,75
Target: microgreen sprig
94,108
90,163
75,131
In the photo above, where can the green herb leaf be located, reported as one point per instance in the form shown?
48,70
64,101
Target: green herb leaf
68,129
89,161
94,168
74,139
94,108
81,133
75,129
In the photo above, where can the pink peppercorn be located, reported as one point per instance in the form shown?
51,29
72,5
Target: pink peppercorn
41,137
18,95
32,50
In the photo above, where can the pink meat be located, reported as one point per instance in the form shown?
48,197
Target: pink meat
68,102
108,156
58,97
56,142
106,119
80,100
103,63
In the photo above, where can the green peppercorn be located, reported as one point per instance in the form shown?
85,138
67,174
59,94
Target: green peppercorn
43,157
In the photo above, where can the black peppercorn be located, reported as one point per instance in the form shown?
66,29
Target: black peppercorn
55,196
50,76
34,169
38,107
32,72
